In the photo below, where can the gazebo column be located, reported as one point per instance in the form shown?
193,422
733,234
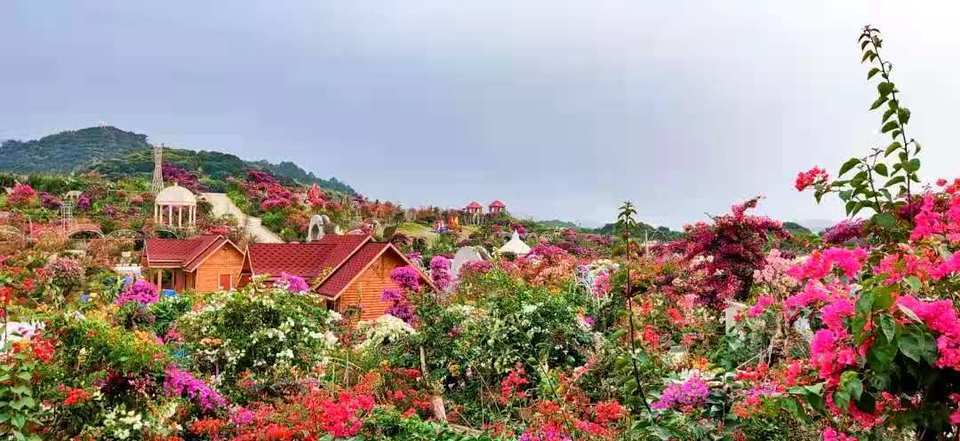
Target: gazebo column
180,216
170,215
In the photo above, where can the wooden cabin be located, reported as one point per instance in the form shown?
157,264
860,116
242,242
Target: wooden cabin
201,263
348,271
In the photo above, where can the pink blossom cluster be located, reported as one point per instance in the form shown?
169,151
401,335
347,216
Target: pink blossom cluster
846,230
692,392
406,277
821,263
773,274
476,267
932,219
721,257
831,434
763,302
50,201
601,285
293,283
440,273
21,195
342,418
180,383
400,307
815,175
941,317
140,292
182,176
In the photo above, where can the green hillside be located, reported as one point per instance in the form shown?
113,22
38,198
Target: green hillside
69,151
115,153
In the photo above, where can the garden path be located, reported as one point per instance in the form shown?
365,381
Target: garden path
221,205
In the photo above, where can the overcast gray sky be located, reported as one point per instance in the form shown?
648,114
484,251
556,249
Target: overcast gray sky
561,109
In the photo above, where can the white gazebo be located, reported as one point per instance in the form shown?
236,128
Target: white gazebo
515,246
175,207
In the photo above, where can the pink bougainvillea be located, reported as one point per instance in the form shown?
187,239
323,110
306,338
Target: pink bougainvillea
21,195
814,176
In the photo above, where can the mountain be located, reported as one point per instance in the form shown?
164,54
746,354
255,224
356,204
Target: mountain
69,151
663,234
114,152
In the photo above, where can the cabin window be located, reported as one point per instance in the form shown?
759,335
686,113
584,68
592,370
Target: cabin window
226,282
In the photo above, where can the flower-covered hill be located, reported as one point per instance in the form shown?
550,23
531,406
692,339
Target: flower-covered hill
738,330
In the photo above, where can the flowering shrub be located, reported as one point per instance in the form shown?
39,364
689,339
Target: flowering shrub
440,273
184,384
721,257
252,337
21,195
140,292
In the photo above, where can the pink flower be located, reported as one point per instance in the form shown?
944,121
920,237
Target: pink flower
829,434
927,222
692,392
821,263
762,303
407,277
814,176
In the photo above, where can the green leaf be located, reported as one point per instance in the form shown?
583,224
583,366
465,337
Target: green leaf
885,88
892,148
904,115
883,297
879,102
913,165
882,353
891,125
851,163
888,113
888,326
913,282
881,169
867,55
850,382
884,220
918,346
894,181
873,71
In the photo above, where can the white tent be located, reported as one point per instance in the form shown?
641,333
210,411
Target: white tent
515,246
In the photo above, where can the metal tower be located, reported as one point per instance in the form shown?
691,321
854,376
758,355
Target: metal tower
157,183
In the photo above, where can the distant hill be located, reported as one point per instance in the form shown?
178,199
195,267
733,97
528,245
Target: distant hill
69,151
796,229
557,223
114,152
662,234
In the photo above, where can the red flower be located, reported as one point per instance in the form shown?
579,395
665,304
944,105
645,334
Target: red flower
74,396
810,177
42,349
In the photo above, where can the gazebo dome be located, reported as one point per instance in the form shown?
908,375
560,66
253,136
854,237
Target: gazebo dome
175,195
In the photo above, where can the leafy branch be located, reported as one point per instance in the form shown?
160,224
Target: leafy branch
879,182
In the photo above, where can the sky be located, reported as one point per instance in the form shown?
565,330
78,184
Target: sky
560,109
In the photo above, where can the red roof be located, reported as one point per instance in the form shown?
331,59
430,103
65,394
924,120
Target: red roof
307,260
182,253
340,259
497,203
474,205
339,280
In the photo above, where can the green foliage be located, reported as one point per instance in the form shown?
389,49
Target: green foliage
387,425
19,405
